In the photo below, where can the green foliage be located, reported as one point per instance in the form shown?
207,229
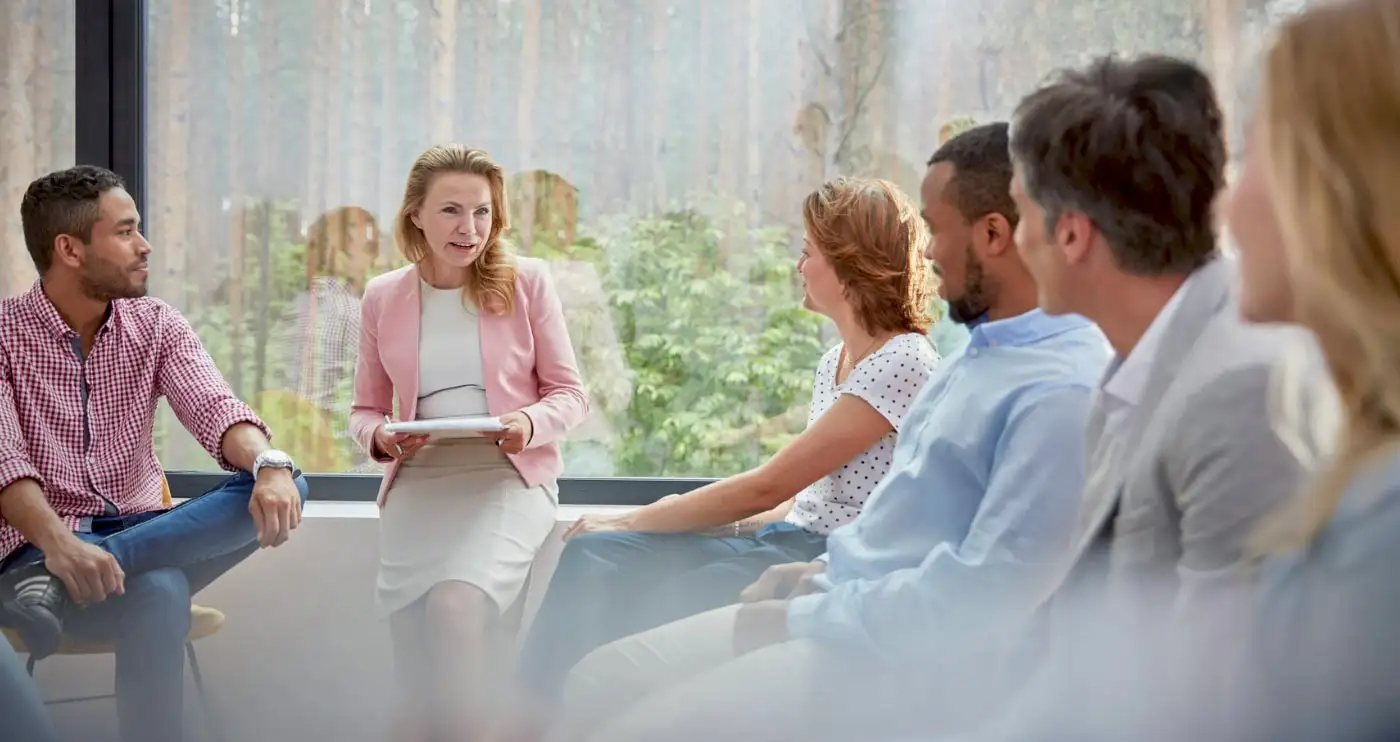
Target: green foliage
716,340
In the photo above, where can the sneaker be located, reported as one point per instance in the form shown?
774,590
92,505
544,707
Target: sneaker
36,608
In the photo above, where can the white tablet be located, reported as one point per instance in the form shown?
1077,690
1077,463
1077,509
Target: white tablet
448,427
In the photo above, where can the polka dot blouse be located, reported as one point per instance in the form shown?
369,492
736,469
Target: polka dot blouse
888,380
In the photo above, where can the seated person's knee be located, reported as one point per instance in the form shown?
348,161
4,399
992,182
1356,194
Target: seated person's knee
161,594
459,605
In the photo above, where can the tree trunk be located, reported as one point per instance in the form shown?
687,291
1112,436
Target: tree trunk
389,151
238,223
171,148
18,166
529,84
1222,34
442,69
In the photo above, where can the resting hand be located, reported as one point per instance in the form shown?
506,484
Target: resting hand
89,572
599,524
783,582
275,506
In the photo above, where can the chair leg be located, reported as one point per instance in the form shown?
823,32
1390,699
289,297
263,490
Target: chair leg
29,667
205,704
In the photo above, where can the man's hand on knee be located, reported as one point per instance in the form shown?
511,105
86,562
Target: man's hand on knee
783,581
89,572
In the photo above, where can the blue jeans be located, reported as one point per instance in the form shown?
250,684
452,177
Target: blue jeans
168,556
611,585
22,713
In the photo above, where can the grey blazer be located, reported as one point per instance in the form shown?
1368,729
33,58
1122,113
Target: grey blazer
1172,496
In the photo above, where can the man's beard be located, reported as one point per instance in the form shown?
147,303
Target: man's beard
104,281
973,303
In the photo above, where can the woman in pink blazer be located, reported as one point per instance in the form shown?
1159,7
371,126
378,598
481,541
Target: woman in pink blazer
467,329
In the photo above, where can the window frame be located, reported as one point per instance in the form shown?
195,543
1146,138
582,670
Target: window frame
110,124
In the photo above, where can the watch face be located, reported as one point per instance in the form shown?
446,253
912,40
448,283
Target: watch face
275,459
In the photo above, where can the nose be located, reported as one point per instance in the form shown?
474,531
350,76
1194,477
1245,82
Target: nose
143,247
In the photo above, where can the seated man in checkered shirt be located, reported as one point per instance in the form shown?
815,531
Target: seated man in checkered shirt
86,547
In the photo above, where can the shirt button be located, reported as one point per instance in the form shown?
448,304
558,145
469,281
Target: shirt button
972,352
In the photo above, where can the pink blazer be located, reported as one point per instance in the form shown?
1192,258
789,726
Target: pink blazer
526,356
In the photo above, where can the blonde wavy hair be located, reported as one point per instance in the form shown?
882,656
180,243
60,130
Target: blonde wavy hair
1330,107
874,238
491,281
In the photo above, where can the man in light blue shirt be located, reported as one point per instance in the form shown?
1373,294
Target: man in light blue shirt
953,550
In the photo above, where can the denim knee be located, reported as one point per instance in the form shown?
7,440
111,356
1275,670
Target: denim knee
160,599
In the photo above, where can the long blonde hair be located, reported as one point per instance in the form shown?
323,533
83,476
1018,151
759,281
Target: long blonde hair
1330,110
491,281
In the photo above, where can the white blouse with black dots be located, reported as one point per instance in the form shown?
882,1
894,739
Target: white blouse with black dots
888,380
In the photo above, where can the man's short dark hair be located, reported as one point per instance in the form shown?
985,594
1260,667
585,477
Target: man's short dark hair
1137,145
65,202
981,182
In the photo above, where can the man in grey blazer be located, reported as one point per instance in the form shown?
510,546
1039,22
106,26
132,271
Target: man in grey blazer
1117,170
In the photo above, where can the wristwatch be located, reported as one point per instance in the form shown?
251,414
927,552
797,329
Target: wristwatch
272,458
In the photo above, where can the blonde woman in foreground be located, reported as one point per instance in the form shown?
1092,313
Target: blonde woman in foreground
1327,630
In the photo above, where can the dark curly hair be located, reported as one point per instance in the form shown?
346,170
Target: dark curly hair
65,202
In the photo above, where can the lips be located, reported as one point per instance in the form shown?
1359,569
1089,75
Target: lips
464,246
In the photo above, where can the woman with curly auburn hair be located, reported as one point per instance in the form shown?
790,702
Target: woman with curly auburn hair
862,266
466,329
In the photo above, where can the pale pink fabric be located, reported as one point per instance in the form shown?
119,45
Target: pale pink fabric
526,356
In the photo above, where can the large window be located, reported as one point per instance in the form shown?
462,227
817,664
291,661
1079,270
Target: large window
659,151
37,73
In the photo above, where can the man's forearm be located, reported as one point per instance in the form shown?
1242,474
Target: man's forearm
23,505
241,445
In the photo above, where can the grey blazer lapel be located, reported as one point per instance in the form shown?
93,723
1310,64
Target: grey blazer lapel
1107,457
1207,296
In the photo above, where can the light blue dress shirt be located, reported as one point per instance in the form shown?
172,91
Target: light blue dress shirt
976,514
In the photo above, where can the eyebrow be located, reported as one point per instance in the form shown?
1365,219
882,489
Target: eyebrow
130,221
454,203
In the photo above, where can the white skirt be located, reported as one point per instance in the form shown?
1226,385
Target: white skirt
459,511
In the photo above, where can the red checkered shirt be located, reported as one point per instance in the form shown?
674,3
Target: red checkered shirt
83,428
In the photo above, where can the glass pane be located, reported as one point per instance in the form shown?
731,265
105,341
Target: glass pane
37,102
659,153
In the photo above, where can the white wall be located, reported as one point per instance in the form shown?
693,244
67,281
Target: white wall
301,652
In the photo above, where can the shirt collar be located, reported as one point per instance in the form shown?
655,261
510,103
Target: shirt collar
1128,379
1023,329
48,316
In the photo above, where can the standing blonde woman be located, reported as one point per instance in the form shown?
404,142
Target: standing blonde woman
466,329
1327,630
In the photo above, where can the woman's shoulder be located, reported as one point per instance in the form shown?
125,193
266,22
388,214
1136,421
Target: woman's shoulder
830,358
530,271
388,282
910,348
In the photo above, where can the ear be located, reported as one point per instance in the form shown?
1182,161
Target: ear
417,222
68,250
998,233
1075,234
